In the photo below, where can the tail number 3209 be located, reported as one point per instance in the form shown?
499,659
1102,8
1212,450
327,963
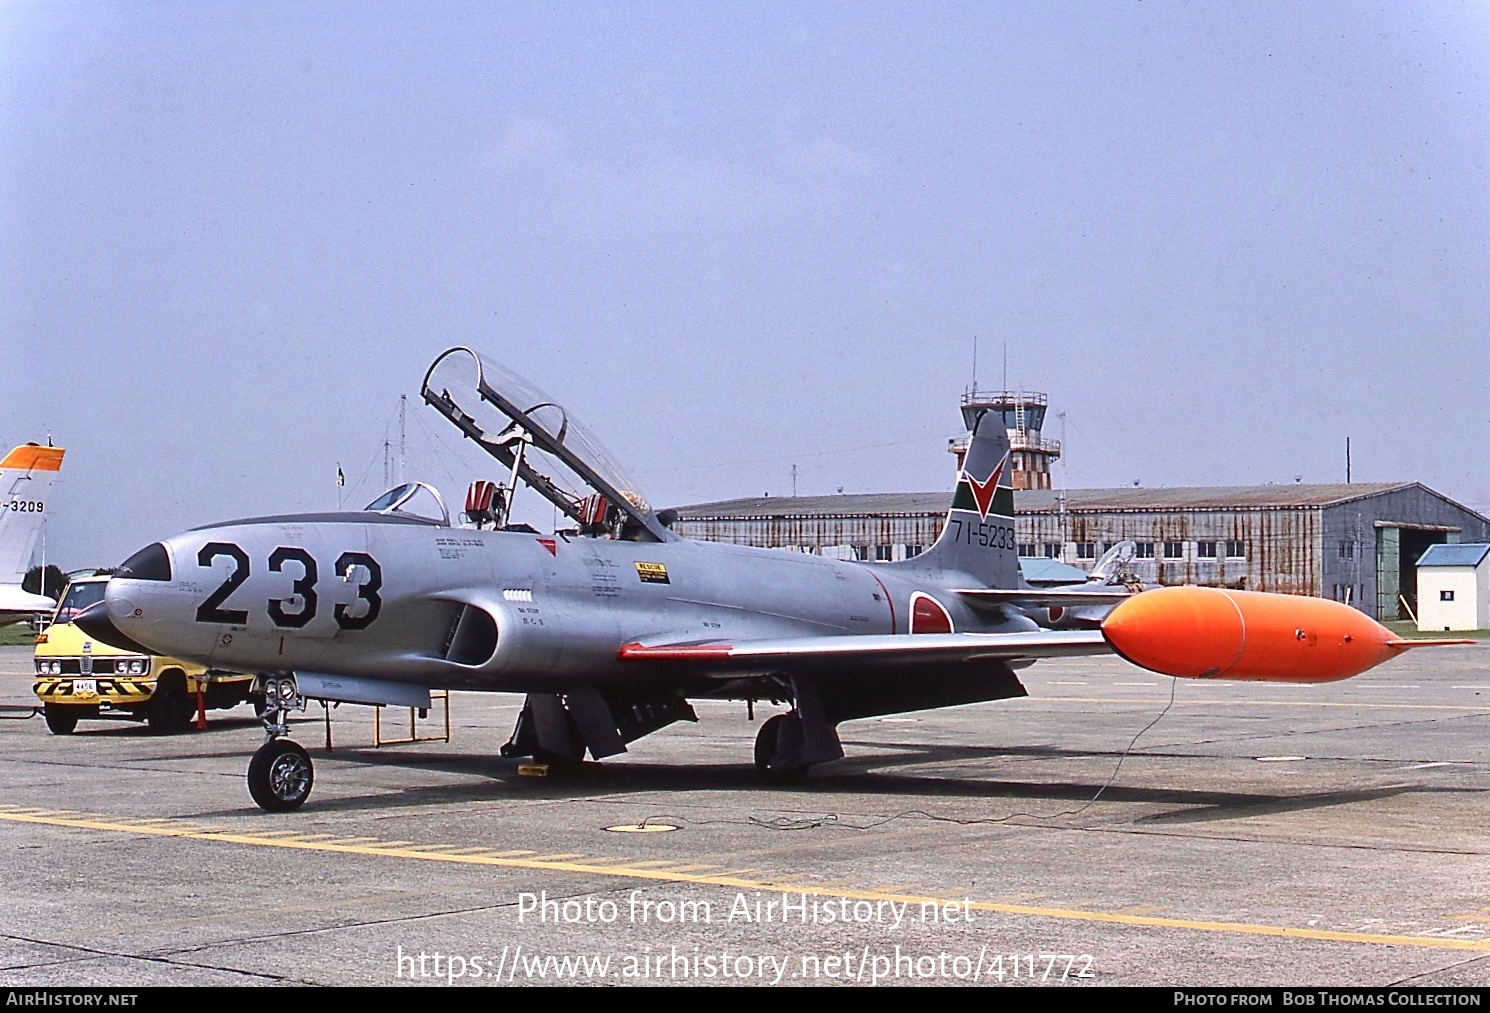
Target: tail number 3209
300,606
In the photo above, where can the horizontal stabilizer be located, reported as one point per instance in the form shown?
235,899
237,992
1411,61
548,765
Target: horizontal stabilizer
1036,598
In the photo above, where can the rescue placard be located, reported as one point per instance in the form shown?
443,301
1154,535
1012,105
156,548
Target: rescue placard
652,573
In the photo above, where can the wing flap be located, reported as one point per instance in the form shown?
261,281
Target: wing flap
899,648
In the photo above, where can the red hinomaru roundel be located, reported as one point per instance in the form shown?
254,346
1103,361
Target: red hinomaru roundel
929,615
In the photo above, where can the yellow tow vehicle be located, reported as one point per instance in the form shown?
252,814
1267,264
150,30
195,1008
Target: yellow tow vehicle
79,677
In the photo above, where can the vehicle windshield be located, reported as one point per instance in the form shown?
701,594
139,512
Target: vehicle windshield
77,598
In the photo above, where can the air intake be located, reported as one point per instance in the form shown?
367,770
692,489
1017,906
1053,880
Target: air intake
472,639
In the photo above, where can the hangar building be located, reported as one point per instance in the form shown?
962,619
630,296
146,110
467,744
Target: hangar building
1357,543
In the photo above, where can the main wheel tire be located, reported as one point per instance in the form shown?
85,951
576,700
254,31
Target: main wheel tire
170,710
60,720
280,776
765,750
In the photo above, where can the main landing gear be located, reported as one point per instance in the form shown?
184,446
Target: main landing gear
789,743
778,750
280,774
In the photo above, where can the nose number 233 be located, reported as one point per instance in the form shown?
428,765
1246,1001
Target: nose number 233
289,612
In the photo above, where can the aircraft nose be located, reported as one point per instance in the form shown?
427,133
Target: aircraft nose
95,622
108,620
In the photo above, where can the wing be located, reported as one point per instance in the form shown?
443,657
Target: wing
809,653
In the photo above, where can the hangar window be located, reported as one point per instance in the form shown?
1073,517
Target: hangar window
1445,596
1236,550
881,553
1143,550
1174,550
1052,550
1027,549
861,553
1205,550
1086,550
911,551
1347,550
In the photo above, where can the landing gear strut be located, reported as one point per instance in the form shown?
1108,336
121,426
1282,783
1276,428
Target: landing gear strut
280,774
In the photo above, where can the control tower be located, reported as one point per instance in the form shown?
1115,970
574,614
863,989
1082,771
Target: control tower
1023,413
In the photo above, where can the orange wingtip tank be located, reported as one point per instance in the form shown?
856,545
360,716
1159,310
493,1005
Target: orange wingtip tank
1207,632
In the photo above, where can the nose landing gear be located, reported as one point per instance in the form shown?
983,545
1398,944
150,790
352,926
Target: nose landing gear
280,774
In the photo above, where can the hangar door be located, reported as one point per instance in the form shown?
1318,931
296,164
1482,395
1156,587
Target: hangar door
1398,548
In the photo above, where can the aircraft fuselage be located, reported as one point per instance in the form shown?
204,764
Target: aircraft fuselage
399,599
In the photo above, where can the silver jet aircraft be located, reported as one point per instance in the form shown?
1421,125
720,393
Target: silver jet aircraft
612,625
1112,576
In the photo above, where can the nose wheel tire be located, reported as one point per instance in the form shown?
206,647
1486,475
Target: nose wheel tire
280,776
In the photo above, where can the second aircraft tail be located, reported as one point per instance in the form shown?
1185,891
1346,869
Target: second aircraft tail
26,477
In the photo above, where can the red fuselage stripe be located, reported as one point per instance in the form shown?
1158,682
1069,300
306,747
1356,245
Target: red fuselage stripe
636,652
888,600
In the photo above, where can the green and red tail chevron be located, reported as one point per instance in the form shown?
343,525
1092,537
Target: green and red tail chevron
985,497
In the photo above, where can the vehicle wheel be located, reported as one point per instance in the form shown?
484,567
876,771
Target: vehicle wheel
61,720
170,710
280,775
766,741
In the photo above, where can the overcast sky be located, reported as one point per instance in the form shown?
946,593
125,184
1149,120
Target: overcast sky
737,237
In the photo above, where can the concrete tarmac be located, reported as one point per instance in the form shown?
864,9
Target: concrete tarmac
1260,835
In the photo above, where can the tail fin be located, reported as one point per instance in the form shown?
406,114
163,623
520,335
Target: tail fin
26,477
977,543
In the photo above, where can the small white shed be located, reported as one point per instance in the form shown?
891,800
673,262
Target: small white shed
1454,588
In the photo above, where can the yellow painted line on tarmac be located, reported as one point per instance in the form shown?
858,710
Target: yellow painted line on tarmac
1271,703
284,835
444,849
736,881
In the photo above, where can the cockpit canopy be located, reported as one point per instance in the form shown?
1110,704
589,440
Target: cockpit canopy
540,443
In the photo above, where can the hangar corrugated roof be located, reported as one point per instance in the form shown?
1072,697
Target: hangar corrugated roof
878,504
1038,501
1221,497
